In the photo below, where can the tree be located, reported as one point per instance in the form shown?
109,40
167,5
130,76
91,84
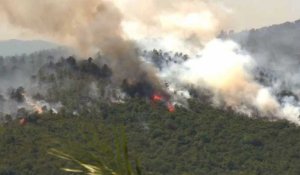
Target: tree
17,94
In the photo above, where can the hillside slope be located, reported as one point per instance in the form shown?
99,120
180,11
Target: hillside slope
202,140
81,113
277,44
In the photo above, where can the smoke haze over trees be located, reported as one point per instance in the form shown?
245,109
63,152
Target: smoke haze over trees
190,102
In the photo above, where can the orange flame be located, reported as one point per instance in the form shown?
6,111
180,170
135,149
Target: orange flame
157,97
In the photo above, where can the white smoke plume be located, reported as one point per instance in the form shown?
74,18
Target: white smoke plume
114,26
227,71
40,106
165,24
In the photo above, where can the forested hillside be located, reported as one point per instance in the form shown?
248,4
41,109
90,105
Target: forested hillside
61,113
73,107
201,140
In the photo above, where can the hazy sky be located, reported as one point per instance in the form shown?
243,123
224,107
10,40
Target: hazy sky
258,13
245,14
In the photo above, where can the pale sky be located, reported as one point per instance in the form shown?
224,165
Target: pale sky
259,13
245,14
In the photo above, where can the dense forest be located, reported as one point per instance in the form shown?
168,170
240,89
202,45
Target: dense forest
65,115
201,140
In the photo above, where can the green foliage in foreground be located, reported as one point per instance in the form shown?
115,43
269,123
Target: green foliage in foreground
122,161
201,140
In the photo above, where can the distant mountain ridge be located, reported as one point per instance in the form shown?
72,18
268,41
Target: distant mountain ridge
19,47
274,42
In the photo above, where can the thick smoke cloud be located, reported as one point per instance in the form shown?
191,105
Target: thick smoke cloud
109,25
227,71
167,23
89,26
115,27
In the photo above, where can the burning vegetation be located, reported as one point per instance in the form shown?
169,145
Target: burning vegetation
191,56
159,69
51,84
164,99
47,86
